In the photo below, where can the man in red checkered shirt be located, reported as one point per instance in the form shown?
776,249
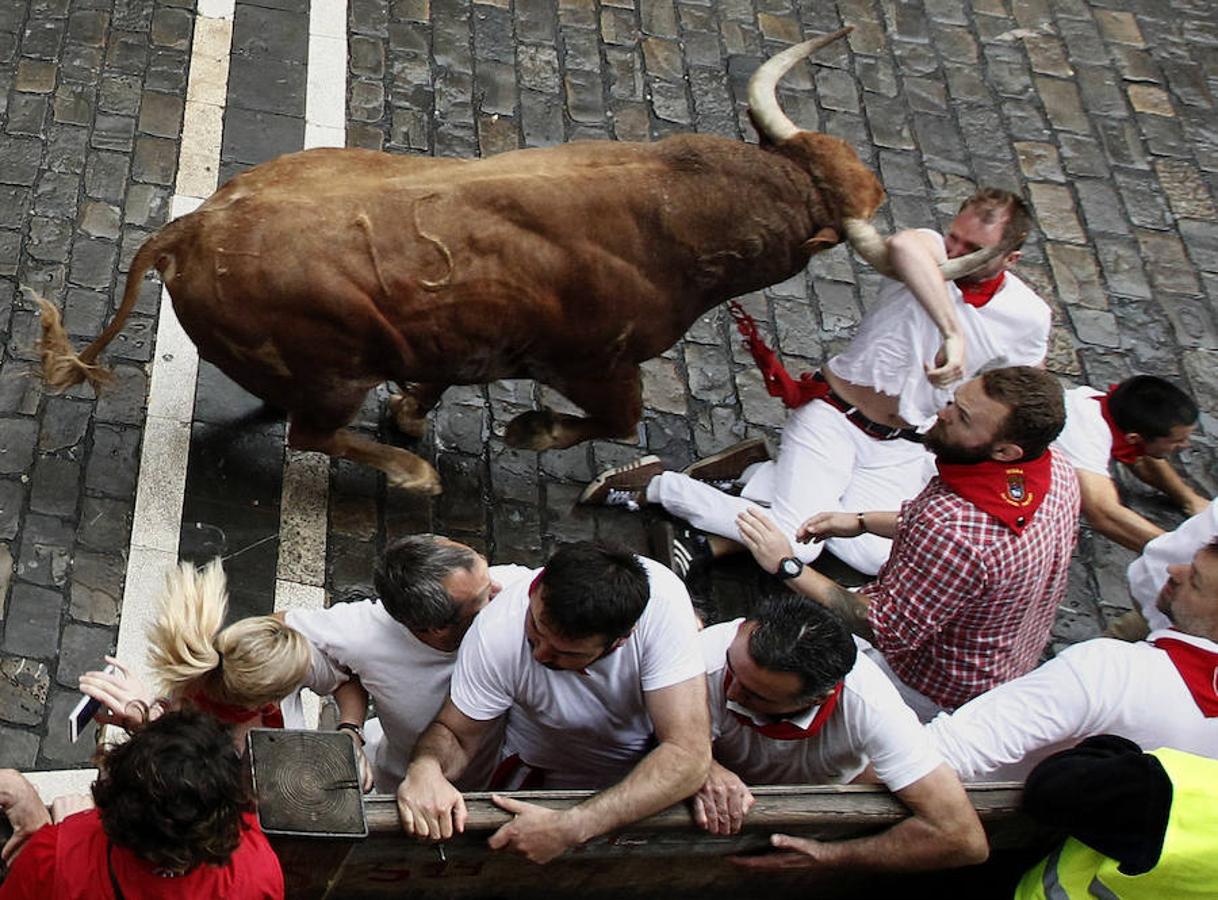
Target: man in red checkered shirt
979,558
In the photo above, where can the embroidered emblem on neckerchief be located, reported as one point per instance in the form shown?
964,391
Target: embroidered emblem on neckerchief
1010,492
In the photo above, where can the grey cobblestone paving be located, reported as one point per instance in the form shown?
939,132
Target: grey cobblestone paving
91,99
1100,111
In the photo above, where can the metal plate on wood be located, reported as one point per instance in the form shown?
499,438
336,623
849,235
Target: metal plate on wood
307,783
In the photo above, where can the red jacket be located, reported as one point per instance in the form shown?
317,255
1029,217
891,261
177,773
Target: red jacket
68,862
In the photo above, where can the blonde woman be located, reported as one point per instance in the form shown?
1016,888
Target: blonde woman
238,674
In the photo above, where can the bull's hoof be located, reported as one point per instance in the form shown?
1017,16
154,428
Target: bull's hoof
536,430
406,415
419,479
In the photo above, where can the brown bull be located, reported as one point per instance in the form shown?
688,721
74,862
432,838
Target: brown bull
318,275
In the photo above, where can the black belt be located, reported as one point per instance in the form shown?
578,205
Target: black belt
868,426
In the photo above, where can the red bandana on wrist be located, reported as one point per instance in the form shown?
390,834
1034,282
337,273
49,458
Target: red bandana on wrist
272,716
1010,492
1199,669
785,729
979,293
1123,450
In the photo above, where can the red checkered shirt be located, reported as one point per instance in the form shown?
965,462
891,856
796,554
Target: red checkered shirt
963,603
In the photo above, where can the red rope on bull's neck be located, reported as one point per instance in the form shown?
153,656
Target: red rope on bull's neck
778,381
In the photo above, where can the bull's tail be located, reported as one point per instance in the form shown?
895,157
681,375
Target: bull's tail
62,367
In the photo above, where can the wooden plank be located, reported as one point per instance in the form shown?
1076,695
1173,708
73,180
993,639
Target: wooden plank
311,866
782,806
665,853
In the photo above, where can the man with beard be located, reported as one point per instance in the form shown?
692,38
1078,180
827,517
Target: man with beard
1150,572
979,558
1161,692
854,425
595,663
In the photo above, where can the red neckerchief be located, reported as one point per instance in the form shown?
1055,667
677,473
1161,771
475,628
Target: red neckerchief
783,730
978,293
778,381
1123,450
1199,669
1010,492
272,716
514,774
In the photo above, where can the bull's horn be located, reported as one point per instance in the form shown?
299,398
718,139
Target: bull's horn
763,101
966,265
870,245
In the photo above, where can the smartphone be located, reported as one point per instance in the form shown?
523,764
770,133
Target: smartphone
84,711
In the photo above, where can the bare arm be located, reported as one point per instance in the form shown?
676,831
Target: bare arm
428,803
943,831
21,803
825,525
768,545
1162,475
915,258
1103,509
851,606
352,702
672,771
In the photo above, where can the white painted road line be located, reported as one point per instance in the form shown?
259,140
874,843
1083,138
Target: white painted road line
157,518
303,508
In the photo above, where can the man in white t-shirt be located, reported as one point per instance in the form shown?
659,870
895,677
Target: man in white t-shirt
1139,423
855,447
1162,692
794,702
595,664
400,648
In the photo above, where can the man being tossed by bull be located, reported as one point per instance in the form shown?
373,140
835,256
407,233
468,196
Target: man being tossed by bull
852,441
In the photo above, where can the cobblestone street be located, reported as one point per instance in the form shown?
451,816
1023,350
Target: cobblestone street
1101,113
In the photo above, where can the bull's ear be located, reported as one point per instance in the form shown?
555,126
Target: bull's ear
822,240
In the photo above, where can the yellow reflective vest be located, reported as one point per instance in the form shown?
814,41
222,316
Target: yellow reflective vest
1187,867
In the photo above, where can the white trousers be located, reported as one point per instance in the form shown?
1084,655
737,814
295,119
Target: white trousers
826,464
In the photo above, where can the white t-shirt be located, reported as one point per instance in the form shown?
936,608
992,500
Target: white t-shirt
1101,686
871,723
406,679
897,340
1148,573
1086,439
584,729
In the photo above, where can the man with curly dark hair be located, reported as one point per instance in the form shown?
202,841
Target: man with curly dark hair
170,816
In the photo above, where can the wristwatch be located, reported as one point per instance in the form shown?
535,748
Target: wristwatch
789,567
355,729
